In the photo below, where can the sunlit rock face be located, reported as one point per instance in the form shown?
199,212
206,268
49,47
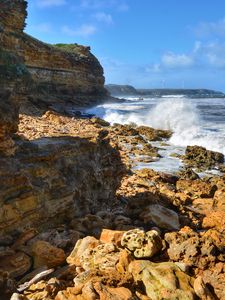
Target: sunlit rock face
61,75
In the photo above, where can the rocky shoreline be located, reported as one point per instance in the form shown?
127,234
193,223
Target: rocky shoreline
131,235
77,222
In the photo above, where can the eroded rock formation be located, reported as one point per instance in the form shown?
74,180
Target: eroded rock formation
61,76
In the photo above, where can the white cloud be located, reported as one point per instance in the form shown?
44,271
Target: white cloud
211,54
83,31
207,29
49,3
103,17
102,4
176,60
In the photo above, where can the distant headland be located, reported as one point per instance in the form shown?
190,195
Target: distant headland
122,90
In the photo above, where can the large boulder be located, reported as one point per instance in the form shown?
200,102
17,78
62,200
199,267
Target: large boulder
201,158
163,280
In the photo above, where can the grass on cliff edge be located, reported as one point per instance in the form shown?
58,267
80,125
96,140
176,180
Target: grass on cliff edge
68,47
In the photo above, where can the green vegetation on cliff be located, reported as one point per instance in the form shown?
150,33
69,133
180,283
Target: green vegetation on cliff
10,65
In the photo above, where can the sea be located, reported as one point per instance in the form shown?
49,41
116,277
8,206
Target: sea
193,122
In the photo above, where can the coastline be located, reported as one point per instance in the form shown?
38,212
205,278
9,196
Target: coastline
173,215
77,221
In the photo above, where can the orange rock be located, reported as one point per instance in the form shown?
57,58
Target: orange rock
196,188
111,236
109,293
15,265
46,254
215,219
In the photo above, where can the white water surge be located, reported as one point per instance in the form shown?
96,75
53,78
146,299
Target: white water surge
190,125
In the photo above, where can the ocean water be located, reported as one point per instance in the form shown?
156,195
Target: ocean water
193,122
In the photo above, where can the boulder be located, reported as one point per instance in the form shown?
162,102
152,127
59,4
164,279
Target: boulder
87,243
47,255
201,158
195,249
163,217
142,244
163,280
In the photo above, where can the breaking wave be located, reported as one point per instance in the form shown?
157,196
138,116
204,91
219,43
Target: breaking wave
177,114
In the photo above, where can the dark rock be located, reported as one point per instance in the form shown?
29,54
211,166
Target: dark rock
201,158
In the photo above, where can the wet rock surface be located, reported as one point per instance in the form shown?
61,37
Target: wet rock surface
202,159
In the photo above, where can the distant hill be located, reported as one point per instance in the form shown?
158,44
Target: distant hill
120,90
128,90
191,93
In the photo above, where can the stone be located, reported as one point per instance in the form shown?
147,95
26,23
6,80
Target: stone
195,249
188,173
196,188
87,243
163,280
111,236
142,244
47,255
110,293
201,158
201,289
163,217
214,219
103,257
215,279
94,291
16,264
154,134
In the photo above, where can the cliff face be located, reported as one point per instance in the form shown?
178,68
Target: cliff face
46,179
60,77
52,180
13,73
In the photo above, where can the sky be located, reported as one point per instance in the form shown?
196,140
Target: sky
144,43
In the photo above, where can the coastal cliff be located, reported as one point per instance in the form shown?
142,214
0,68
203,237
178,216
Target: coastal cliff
76,220
60,76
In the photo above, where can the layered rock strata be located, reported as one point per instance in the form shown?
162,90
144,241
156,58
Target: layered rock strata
52,179
13,73
61,76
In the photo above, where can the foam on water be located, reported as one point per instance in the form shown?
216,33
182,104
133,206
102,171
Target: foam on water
177,114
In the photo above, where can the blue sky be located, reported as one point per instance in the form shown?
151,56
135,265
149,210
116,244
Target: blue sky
145,43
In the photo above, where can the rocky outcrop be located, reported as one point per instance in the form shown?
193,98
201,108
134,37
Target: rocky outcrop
13,73
202,159
51,179
61,75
